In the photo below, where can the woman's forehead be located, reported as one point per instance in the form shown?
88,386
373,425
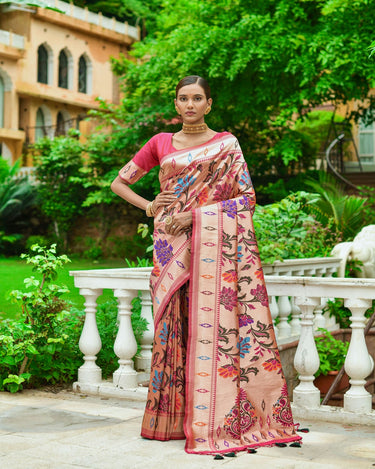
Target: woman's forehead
192,89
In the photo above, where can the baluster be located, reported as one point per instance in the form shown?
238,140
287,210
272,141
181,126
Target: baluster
320,320
143,362
295,323
125,344
358,363
89,342
284,310
274,310
306,360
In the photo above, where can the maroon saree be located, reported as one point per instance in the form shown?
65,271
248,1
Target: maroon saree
216,374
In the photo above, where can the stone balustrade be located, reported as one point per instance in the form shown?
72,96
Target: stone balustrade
307,295
283,306
94,18
13,40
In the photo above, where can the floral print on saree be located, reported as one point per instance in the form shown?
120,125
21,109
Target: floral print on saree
216,373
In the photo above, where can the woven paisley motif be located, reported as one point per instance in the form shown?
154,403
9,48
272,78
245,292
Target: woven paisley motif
282,412
241,417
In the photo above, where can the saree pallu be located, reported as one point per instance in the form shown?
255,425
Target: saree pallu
216,374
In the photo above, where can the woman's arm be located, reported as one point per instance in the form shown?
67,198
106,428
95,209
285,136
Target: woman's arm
122,189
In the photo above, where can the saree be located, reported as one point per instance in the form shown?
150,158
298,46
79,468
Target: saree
216,376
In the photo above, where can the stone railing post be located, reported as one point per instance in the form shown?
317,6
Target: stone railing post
143,362
274,310
320,320
295,323
306,360
284,328
89,342
358,363
125,347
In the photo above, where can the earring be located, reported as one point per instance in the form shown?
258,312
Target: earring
208,110
178,112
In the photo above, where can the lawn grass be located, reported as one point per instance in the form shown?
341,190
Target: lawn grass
13,271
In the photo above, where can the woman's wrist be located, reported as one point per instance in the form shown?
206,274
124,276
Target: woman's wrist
150,212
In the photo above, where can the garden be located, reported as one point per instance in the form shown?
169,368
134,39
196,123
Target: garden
65,217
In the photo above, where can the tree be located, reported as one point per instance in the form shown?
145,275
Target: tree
268,63
57,163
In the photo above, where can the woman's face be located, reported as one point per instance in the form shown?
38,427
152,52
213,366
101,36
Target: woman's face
191,103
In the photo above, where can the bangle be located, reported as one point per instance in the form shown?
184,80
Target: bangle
150,209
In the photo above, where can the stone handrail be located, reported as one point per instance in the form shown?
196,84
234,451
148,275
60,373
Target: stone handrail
307,293
10,39
94,18
282,306
310,267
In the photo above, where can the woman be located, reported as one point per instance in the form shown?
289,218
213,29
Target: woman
216,375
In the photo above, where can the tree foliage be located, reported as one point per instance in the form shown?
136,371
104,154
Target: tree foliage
268,63
17,198
344,213
57,162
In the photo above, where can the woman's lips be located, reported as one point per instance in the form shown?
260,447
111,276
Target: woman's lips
190,113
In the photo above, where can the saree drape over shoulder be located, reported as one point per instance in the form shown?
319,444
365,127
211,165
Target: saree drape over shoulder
216,374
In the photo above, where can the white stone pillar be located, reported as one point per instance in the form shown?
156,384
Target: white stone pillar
274,310
89,342
285,309
358,363
295,323
320,320
143,362
306,360
125,347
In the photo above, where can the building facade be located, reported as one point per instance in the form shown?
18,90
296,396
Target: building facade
54,64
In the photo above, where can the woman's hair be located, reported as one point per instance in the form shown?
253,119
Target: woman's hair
192,79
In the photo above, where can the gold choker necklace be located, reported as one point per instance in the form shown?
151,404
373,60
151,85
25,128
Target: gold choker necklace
194,128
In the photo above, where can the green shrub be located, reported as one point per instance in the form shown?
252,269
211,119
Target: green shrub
341,313
36,239
285,230
42,346
332,352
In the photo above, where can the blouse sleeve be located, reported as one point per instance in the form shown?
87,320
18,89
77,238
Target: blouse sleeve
141,164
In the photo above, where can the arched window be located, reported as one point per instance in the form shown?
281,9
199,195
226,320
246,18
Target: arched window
60,124
63,69
2,89
42,64
366,139
82,75
40,125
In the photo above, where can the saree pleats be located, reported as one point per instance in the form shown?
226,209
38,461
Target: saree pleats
165,408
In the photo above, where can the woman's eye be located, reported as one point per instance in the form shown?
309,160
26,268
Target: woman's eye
198,99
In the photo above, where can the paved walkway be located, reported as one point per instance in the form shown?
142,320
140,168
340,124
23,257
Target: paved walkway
40,430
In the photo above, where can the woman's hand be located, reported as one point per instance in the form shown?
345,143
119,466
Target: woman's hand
180,223
165,198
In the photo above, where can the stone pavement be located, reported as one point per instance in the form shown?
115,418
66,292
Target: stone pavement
41,430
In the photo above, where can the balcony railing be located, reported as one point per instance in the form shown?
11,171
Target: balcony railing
94,18
11,39
306,293
33,134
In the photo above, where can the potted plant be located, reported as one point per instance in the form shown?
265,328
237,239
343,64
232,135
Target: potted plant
332,353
